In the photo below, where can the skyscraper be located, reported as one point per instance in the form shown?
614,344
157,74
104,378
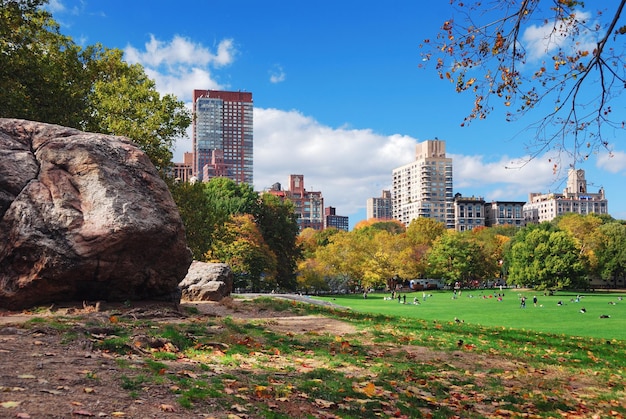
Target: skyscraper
222,135
423,188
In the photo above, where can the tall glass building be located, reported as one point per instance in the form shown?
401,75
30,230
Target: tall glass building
222,135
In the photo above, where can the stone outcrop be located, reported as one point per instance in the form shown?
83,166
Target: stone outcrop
207,282
84,216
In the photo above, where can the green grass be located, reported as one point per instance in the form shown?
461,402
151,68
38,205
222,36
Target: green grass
474,307
402,361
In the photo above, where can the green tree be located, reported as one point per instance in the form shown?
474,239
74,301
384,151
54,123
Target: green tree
574,65
227,198
611,251
492,245
242,247
454,257
545,258
196,214
46,77
124,101
279,226
42,75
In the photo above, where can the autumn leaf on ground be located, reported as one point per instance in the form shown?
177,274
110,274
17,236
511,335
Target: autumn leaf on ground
9,405
324,404
369,389
238,408
82,413
167,408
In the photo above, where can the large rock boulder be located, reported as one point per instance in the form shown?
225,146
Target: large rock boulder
84,216
207,282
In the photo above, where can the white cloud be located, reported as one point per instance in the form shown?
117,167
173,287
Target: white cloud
542,40
180,51
277,74
505,178
348,166
180,65
182,82
614,162
55,6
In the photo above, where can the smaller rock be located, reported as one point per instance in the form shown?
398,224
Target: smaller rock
207,282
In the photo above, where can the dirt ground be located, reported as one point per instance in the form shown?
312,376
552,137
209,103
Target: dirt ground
43,377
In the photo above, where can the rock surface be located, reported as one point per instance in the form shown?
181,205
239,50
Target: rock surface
83,216
207,282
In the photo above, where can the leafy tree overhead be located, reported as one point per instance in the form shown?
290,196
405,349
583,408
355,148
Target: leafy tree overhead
42,76
46,77
124,101
564,56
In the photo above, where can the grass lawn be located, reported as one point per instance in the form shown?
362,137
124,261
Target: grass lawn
481,307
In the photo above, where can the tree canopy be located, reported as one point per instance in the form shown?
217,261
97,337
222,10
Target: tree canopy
46,77
564,56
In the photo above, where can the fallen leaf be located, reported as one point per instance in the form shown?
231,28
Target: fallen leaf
82,413
238,408
26,376
167,408
22,415
55,392
10,405
324,404
118,414
369,389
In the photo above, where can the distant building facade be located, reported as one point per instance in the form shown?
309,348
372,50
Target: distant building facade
380,208
308,205
469,212
222,135
574,199
183,172
502,213
423,188
331,219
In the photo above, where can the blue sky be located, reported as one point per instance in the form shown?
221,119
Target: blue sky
338,94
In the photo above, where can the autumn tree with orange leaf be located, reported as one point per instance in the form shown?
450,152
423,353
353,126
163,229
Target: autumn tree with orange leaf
562,58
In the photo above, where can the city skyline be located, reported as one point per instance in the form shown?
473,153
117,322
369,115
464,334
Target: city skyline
338,96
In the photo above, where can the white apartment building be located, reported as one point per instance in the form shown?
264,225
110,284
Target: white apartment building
423,188
575,198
